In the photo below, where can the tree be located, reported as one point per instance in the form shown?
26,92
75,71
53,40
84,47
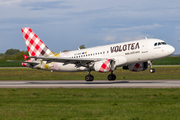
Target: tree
18,56
82,47
12,51
65,50
1,54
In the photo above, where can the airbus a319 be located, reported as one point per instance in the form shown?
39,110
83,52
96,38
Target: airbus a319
134,56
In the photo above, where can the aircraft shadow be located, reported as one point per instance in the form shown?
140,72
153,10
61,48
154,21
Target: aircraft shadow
110,82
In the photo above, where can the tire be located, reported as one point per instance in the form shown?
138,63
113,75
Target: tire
89,78
110,77
114,77
152,70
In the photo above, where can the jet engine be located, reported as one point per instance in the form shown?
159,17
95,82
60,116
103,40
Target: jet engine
105,65
136,67
26,65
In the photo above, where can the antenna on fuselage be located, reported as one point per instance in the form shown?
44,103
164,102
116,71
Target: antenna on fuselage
145,37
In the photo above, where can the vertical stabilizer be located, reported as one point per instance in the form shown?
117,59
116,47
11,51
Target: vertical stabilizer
34,45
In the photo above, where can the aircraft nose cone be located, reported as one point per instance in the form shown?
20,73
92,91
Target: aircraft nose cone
171,50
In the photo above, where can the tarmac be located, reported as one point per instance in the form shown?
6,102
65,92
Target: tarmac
93,84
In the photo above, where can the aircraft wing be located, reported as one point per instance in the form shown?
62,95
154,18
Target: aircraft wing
67,60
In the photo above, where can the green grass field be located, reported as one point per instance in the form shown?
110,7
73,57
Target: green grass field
34,74
4,63
90,104
167,61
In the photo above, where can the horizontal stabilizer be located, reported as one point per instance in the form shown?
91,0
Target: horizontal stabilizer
33,63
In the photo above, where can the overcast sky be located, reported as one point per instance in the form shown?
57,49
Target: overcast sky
67,24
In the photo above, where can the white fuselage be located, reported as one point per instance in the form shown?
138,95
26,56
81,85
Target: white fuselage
123,53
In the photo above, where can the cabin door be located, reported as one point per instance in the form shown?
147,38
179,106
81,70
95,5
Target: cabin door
144,46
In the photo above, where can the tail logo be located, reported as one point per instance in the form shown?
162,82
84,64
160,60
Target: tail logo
34,45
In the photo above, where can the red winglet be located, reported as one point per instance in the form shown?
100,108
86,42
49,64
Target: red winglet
25,57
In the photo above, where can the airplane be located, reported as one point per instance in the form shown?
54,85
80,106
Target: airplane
133,55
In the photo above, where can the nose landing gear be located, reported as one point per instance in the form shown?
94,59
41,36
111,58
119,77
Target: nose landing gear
152,70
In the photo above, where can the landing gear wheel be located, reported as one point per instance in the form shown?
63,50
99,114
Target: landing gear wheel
92,78
111,77
89,78
152,70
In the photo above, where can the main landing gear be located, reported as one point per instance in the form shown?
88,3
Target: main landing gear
111,77
152,70
89,77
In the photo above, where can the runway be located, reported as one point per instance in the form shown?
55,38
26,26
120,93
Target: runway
94,84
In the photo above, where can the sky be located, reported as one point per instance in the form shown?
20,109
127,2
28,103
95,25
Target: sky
67,24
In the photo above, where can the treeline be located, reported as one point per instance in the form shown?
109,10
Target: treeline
16,54
13,54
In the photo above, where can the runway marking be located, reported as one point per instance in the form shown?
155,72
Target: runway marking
94,84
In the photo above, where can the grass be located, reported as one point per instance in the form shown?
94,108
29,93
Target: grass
4,63
90,104
167,61
34,74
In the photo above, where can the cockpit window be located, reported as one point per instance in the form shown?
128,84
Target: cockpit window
160,43
163,43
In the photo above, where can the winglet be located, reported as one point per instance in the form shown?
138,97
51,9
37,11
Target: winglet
25,57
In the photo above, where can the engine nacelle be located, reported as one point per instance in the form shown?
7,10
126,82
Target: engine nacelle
136,67
105,65
27,64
